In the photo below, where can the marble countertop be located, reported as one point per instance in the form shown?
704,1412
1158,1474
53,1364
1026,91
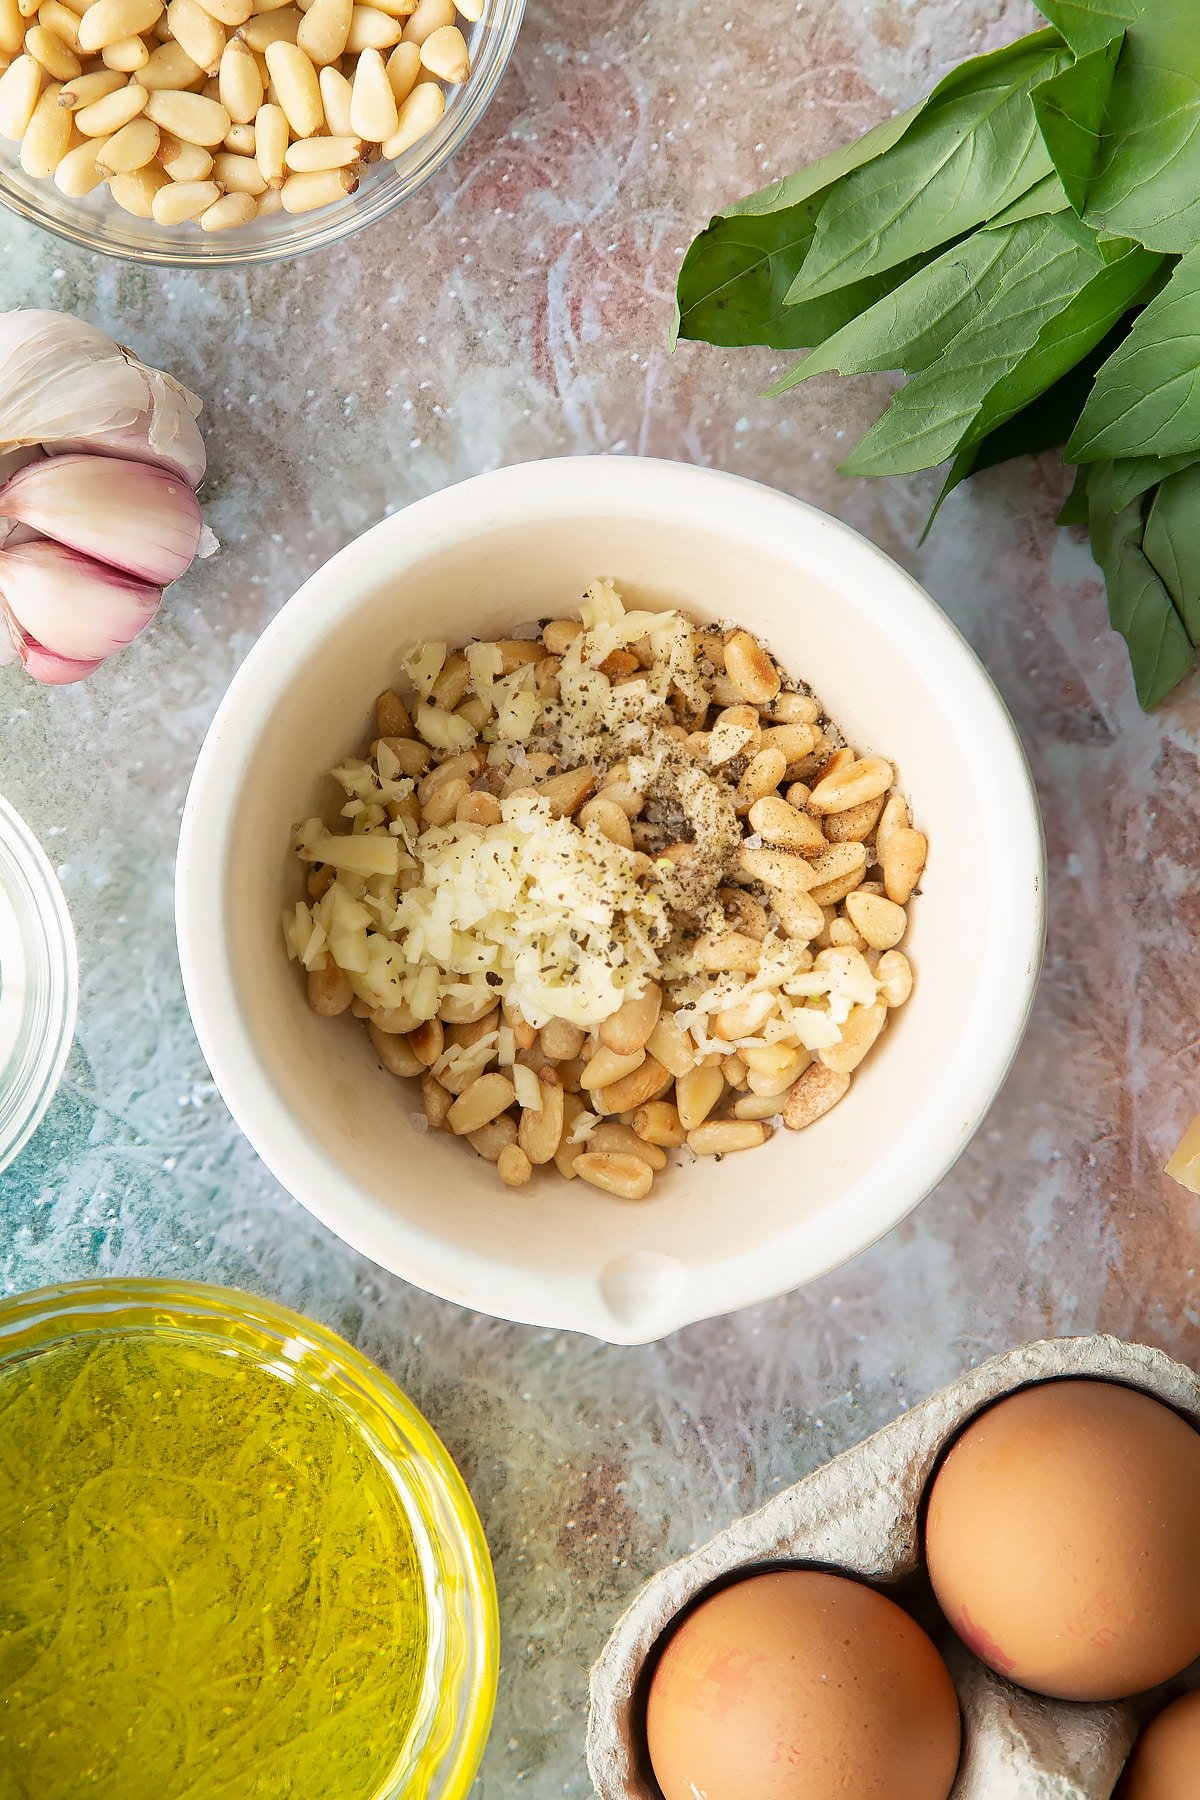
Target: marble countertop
519,307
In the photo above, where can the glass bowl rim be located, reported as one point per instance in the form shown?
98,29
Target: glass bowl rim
37,1318
382,199
49,925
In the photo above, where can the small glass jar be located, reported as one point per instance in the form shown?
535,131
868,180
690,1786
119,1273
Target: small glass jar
457,1692
39,983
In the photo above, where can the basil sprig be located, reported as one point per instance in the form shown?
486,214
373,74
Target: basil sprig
1025,247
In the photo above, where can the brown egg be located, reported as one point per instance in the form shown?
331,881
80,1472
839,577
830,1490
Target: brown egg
798,1685
1165,1764
1063,1543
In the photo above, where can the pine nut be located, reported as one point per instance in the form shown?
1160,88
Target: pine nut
658,1123
567,792
628,1030
817,1092
609,820
625,1177
12,28
763,774
47,136
795,741
444,53
170,66
670,1045
335,98
77,174
794,709
132,147
631,1091
721,1137
735,1072
322,187
483,1101
893,972
696,1093
329,990
229,212
101,118
277,27
270,151
557,634
183,200
47,48
471,10
127,56
230,13
240,140
852,784
612,1138
781,824
493,1139
731,952
843,935
608,1066
797,795
239,83
324,29
86,88
799,914
416,118
881,922
437,1101
858,1035
299,91
773,1087
744,1019
523,1032
780,869
238,174
192,117
395,1052
540,1132
513,1166
750,669
561,1041
894,816
429,17
372,29
443,803
756,1106
855,824
184,163
837,873
134,192
744,913
20,91
903,859
108,21
428,1041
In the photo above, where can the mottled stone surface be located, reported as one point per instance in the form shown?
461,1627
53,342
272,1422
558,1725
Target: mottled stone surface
519,307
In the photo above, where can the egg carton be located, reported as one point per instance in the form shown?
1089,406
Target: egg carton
862,1513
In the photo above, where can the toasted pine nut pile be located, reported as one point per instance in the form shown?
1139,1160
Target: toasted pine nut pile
216,111
608,892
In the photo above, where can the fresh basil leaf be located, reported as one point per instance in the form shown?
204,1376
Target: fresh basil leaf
1055,300
1172,543
1087,25
907,328
1074,509
1070,110
1146,399
1145,182
974,150
1045,196
1131,476
1046,423
1139,603
736,273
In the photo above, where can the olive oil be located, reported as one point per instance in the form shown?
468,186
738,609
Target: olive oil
209,1588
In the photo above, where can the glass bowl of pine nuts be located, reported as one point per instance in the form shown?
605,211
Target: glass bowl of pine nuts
669,819
213,132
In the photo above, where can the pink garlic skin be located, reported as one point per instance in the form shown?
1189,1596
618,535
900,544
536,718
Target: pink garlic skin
138,518
67,611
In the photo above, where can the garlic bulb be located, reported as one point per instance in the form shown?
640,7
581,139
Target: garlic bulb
99,457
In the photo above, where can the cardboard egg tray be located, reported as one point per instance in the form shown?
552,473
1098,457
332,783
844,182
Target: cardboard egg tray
862,1513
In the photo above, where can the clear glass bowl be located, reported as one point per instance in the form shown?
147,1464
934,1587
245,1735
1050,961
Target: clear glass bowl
97,223
444,1742
39,982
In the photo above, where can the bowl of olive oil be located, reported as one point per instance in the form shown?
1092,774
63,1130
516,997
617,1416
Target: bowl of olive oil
238,1562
